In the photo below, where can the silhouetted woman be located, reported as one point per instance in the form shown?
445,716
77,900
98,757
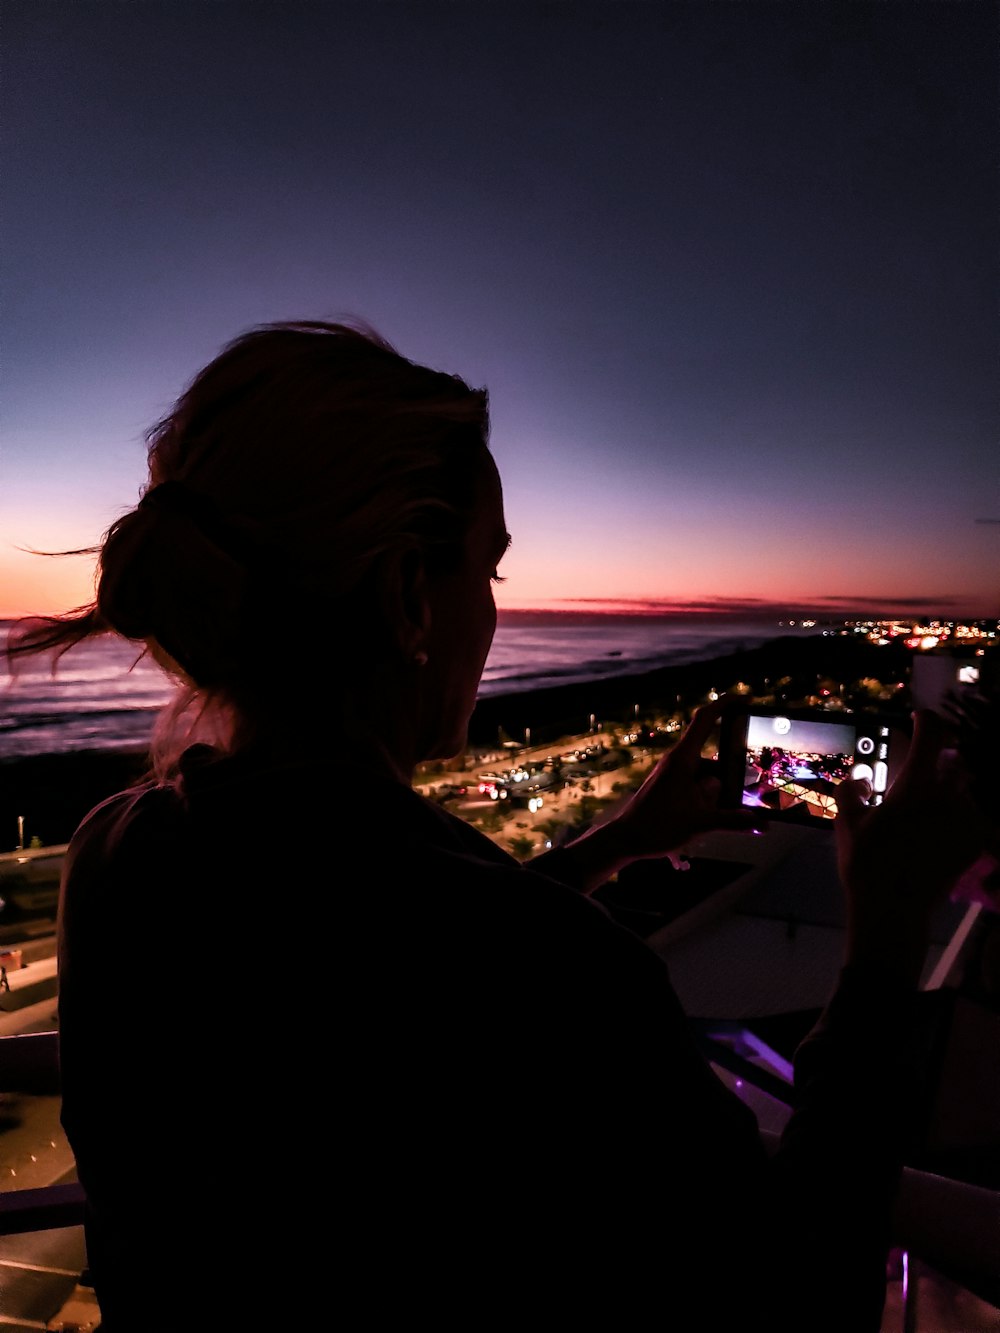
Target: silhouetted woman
466,1097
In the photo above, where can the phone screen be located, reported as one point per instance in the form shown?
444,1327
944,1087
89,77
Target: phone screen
791,764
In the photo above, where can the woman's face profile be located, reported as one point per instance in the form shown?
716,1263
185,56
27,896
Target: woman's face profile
463,622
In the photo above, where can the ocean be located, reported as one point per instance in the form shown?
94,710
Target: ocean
102,698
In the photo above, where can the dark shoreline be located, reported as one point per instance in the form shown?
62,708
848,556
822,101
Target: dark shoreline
53,792
565,709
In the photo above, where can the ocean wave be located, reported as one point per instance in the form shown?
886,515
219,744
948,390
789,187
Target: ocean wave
88,717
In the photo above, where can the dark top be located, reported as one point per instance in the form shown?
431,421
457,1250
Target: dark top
327,1048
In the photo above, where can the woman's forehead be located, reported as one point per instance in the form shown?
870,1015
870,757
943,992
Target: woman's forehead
491,503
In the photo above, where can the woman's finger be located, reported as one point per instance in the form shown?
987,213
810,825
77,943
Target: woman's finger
852,795
703,722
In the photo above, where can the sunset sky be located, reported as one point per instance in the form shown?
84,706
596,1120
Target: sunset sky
729,270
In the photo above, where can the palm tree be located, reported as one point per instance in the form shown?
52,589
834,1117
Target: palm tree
521,846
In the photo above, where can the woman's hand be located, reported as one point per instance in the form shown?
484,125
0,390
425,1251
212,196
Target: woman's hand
680,797
899,860
678,800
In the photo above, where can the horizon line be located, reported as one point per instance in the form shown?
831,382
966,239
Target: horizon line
820,610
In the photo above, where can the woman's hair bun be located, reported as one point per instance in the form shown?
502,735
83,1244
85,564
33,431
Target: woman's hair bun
163,577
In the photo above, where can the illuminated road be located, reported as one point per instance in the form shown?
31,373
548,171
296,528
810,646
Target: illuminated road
558,803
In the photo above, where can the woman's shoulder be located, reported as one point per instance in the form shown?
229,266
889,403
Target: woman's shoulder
123,818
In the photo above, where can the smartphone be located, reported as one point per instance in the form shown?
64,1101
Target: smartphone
789,762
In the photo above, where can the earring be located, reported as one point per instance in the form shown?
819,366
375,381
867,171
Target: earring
420,658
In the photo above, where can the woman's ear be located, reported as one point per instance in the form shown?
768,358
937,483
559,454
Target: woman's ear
402,589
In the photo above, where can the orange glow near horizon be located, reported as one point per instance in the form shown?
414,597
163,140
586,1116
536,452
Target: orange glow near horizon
36,585
563,558
33,584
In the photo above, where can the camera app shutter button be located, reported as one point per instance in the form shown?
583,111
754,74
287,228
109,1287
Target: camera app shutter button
860,771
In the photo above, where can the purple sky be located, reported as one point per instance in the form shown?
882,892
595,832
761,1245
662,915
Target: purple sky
730,271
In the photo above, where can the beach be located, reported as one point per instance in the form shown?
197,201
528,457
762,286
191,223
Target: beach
53,792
